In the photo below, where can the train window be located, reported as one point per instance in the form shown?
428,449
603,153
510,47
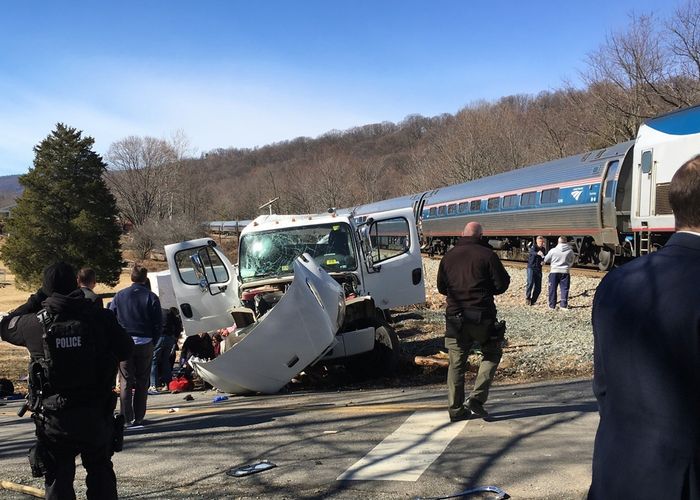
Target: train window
442,210
510,201
493,203
433,212
550,195
646,162
610,179
528,199
452,209
463,207
475,206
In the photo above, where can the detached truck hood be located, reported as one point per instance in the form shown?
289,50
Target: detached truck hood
299,330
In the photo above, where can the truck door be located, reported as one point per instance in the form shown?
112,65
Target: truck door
204,283
393,270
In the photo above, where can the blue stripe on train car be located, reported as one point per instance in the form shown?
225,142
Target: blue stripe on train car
577,195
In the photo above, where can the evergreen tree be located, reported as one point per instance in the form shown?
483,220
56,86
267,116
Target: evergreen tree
65,213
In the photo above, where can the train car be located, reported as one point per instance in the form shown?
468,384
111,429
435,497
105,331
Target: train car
612,202
228,226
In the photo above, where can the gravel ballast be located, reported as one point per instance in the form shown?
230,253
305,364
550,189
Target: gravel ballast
542,343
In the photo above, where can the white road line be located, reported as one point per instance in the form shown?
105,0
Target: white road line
408,451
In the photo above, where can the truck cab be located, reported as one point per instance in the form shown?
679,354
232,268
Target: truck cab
354,272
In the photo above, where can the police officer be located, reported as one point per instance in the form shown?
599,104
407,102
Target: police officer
470,274
74,348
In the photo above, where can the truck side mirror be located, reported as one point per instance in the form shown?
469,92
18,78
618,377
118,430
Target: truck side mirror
366,244
199,271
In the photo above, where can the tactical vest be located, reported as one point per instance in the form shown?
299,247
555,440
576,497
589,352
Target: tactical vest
67,375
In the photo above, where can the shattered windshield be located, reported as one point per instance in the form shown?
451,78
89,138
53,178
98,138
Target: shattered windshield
271,253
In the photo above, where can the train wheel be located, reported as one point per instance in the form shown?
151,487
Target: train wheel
606,259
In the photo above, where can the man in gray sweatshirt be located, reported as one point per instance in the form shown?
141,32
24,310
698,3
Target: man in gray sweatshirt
560,258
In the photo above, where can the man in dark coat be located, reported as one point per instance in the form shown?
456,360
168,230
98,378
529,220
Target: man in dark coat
74,418
138,311
646,327
470,274
534,271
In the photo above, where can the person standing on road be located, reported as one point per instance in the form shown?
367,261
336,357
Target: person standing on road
470,274
74,349
646,329
161,366
87,282
560,258
138,311
534,271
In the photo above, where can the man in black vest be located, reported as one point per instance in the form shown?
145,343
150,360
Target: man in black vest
470,274
72,374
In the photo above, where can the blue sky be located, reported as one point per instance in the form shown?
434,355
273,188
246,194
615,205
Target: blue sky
243,74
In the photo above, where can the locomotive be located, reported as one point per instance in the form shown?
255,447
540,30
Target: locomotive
612,203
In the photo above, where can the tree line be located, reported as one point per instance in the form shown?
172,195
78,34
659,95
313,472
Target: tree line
163,191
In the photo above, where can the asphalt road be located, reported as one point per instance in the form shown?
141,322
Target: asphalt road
538,444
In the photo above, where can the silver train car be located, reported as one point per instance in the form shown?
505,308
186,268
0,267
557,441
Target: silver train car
612,203
227,226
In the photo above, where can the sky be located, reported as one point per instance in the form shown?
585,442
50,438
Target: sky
249,73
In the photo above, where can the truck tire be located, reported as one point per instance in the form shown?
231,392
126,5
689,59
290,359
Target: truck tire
381,361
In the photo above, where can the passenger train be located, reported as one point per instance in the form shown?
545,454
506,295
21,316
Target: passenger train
612,203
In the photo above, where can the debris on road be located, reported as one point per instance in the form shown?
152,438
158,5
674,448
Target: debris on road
21,488
500,494
218,399
247,470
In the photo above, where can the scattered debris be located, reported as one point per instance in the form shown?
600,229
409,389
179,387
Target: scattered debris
189,397
21,488
218,399
500,494
330,432
247,470
173,410
431,361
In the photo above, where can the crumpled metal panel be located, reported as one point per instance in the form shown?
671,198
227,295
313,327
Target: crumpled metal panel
291,336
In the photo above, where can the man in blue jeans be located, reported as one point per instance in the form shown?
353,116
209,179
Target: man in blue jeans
560,258
534,271
138,312
161,367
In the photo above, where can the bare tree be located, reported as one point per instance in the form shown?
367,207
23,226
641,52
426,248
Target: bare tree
142,176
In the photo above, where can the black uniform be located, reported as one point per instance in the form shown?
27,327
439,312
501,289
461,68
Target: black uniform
470,274
77,417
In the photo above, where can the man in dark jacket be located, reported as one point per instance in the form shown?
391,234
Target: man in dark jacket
534,271
74,413
138,311
161,365
646,327
470,274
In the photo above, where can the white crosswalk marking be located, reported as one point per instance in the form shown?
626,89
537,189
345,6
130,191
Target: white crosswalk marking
406,453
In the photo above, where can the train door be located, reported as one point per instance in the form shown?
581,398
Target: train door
647,181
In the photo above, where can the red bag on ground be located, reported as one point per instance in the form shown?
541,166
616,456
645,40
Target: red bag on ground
180,384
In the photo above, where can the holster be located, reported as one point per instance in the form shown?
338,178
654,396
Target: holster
38,460
118,435
498,332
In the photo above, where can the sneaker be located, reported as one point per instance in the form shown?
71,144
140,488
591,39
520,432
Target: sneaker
152,390
477,408
528,302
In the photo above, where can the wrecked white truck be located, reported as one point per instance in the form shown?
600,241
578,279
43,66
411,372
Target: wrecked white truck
306,289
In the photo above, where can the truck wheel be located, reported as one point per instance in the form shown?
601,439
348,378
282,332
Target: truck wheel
381,361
